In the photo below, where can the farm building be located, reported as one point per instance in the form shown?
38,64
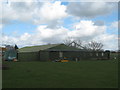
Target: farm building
52,52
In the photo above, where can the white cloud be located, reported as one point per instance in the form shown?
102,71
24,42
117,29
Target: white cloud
110,41
84,30
25,37
95,0
99,23
21,11
42,35
114,24
53,11
34,12
90,9
28,0
0,11
87,29
51,14
113,27
0,33
64,0
1,26
52,35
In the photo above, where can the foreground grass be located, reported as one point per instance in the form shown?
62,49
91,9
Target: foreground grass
82,74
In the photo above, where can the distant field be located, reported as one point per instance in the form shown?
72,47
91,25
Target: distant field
82,74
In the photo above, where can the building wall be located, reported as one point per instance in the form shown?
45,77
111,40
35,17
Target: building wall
55,55
43,56
71,55
28,56
79,55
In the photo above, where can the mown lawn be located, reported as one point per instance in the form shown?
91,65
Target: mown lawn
82,74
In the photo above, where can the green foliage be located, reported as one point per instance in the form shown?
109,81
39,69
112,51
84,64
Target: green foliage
82,74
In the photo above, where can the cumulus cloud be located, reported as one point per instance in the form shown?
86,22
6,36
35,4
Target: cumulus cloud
115,24
110,41
1,26
51,14
99,23
90,9
84,30
97,0
52,35
113,27
22,11
52,11
34,12
42,35
87,29
28,0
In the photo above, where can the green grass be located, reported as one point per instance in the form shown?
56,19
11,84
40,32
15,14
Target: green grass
82,74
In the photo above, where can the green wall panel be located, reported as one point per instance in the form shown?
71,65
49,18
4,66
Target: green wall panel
44,55
28,56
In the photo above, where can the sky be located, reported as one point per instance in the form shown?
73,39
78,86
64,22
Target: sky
36,23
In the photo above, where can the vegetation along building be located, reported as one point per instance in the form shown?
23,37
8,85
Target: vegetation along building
52,52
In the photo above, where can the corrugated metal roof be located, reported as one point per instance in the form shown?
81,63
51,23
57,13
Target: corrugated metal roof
37,48
63,47
49,47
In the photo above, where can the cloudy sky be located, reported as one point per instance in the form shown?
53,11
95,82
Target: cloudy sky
37,23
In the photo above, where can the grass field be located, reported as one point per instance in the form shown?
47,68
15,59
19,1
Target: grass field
82,74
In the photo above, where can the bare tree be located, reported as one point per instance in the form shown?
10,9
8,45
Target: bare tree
94,46
70,41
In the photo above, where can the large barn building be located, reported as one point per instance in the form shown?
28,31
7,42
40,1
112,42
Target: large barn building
53,52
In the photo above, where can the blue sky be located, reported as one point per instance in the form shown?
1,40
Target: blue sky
88,21
22,27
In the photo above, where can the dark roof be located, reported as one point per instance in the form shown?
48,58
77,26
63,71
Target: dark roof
49,47
36,48
63,47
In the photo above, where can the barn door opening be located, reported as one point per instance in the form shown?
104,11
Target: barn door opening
60,54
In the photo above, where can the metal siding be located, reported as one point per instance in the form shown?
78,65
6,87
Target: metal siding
71,55
44,55
54,55
106,55
28,56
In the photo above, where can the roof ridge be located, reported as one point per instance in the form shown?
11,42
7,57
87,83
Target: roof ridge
53,45
38,48
39,45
